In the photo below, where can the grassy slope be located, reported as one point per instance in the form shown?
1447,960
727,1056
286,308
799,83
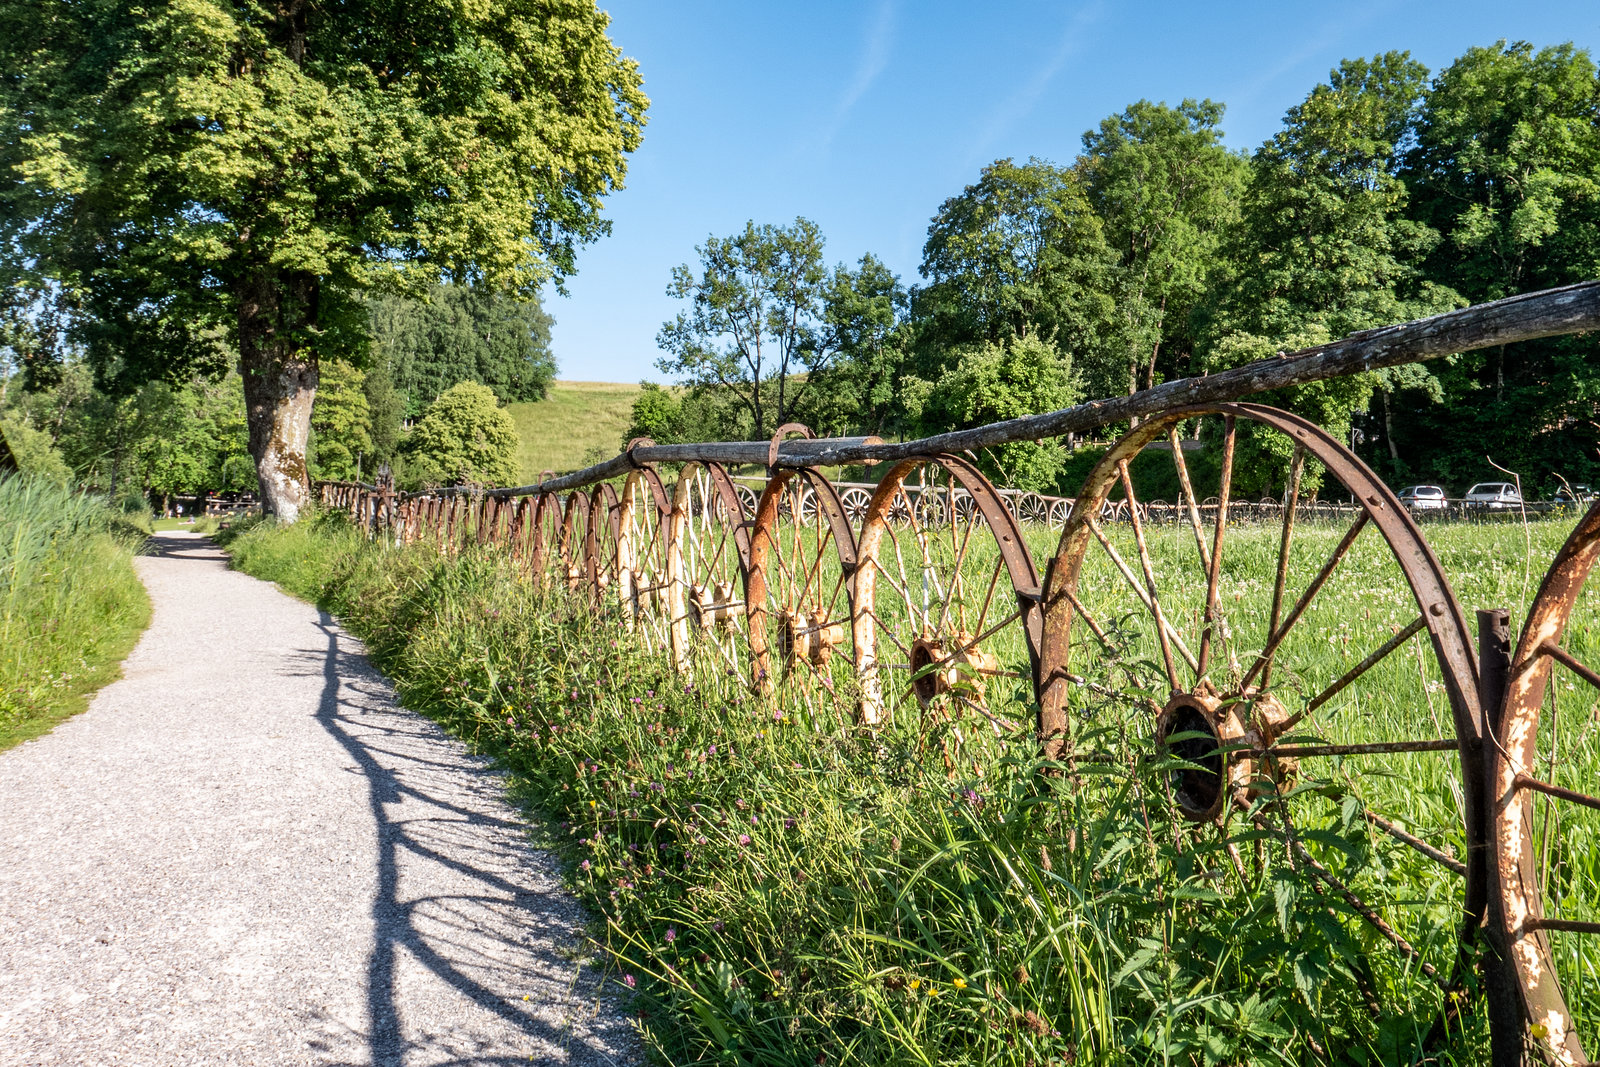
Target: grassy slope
577,424
71,608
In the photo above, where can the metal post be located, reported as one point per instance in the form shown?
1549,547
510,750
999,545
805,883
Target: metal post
1501,994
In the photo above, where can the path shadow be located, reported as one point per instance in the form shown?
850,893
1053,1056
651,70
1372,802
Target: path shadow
501,931
191,547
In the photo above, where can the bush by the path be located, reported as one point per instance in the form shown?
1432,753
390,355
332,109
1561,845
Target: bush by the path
71,606
779,889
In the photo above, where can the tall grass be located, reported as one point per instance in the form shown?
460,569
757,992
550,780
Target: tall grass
778,888
70,603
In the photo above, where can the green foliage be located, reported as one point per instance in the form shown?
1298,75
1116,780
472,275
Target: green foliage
35,453
1005,379
1166,190
385,410
463,333
214,176
165,437
70,603
777,890
1020,252
763,310
1504,167
340,424
463,438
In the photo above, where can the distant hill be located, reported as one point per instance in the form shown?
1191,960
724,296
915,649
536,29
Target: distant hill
579,423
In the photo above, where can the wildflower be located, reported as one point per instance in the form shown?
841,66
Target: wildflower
960,983
777,716
628,978
712,751
915,984
752,820
584,865
717,926
933,990
744,839
788,824
672,935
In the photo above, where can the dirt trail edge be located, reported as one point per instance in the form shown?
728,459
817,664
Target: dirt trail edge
246,852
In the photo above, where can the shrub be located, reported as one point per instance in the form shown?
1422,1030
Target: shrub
463,438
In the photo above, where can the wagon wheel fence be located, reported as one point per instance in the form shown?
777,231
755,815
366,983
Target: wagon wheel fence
978,609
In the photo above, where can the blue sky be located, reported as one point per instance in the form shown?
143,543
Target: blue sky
865,116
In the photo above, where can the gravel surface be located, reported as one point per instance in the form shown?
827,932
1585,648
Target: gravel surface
245,852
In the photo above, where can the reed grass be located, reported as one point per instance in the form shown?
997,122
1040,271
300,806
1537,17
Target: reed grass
71,606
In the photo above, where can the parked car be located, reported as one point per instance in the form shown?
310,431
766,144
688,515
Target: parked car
1494,496
1424,497
1574,494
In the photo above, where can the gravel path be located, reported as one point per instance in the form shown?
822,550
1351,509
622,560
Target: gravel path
245,852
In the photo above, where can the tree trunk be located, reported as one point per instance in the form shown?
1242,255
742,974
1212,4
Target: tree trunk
1388,429
280,383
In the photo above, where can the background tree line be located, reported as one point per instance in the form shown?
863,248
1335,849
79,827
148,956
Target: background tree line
1157,253
162,438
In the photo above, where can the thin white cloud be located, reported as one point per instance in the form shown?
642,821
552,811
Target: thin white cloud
1016,107
875,50
1322,42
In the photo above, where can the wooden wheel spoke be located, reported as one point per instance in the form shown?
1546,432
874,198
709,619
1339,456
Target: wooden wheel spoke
1377,656
1417,843
1264,658
1188,496
1214,569
1565,658
1153,600
1133,583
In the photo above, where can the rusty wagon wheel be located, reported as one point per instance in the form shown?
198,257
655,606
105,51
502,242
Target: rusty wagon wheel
948,613
641,555
600,543
797,597
553,554
1545,833
708,561
1285,720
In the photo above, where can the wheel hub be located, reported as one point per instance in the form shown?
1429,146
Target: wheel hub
1221,736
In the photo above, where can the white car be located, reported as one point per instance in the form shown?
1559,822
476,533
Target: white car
1494,496
1424,498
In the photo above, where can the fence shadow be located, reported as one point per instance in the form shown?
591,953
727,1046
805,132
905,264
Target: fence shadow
459,895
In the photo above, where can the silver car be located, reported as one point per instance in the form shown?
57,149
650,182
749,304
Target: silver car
1495,496
1424,498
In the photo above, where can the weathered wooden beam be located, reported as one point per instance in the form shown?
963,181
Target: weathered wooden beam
1547,313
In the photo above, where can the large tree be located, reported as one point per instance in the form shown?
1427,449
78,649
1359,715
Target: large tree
1166,190
1506,166
1019,252
189,164
767,318
463,333
1324,245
